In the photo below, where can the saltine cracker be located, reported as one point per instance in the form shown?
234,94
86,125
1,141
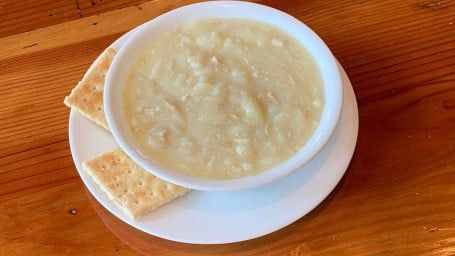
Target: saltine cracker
87,96
135,191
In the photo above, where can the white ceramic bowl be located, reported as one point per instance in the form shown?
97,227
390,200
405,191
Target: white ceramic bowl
149,31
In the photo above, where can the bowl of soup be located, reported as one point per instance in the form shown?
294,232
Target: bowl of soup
223,95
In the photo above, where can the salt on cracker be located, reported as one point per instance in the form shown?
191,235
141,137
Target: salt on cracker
135,191
87,96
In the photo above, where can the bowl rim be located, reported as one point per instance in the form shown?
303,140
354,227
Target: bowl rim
222,9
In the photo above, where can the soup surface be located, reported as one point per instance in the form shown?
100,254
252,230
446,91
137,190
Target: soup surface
223,98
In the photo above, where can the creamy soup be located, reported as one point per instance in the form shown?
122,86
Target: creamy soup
223,98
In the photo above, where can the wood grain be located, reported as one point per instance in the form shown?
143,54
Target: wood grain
396,198
22,16
94,7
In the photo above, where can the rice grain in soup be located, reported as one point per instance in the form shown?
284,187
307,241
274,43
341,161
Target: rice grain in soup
223,98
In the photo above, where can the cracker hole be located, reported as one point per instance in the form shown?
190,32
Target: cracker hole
129,171
125,190
140,183
136,201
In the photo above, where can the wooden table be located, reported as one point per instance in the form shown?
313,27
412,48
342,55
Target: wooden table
396,198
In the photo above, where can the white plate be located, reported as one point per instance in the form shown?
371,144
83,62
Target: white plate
225,217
